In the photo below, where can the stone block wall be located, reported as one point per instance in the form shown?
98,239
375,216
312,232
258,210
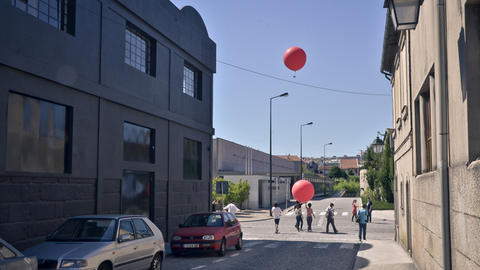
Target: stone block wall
32,207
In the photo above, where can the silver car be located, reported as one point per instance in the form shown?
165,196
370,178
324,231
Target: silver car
102,242
12,259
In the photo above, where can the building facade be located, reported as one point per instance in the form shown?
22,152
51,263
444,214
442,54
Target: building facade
106,108
434,75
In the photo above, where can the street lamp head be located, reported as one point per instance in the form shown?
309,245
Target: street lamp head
309,123
330,143
404,13
284,94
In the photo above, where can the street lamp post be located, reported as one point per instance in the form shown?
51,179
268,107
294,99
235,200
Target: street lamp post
282,95
301,158
324,178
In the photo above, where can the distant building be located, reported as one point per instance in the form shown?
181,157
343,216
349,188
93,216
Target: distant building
106,108
233,162
350,165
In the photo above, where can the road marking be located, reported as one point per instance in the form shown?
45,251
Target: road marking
234,255
347,246
272,245
345,214
322,213
289,214
248,249
199,267
219,260
251,244
321,246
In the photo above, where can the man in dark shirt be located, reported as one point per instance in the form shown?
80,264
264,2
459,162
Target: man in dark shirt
369,210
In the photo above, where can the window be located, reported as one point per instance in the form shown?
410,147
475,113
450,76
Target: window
139,50
192,159
136,193
126,228
38,135
138,143
141,229
6,253
58,13
428,131
192,82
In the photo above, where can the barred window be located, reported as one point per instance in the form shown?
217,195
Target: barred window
192,82
139,50
58,13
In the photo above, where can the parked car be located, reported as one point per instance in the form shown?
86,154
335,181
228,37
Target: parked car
12,259
213,231
102,242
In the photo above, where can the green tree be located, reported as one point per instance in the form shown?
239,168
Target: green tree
385,174
237,192
336,172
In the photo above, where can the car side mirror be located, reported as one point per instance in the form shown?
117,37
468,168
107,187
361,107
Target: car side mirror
228,223
124,237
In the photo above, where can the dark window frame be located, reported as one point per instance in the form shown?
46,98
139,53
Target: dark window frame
67,169
152,146
150,49
198,175
197,81
66,13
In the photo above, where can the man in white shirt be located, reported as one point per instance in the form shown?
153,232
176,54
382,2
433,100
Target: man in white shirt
276,213
232,208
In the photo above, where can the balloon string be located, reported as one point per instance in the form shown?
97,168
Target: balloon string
295,74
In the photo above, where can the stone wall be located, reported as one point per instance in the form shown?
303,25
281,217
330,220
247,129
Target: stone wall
32,207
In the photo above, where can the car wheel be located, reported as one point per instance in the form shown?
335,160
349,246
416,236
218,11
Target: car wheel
105,266
156,262
221,251
239,243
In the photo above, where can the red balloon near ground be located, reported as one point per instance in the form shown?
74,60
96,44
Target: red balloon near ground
294,58
303,191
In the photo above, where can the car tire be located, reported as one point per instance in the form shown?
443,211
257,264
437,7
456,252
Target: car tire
105,266
221,250
156,262
239,244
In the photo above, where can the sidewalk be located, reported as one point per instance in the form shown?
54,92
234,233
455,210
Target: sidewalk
381,251
382,254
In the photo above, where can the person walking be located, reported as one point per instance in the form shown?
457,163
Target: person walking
329,215
276,212
310,216
369,210
362,223
354,210
298,215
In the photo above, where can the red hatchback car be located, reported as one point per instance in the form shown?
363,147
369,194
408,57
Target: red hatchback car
214,231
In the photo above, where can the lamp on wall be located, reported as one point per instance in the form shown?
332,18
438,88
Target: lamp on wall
377,145
404,13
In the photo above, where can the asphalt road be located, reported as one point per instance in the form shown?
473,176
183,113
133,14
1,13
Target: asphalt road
263,249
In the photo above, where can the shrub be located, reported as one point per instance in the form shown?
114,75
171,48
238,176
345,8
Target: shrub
348,186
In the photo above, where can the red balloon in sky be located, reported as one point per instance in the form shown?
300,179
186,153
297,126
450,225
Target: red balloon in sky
303,191
294,58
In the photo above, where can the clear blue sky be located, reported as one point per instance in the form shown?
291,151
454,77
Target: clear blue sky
343,43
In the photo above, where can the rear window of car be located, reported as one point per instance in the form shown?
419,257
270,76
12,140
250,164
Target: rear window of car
141,229
204,220
6,253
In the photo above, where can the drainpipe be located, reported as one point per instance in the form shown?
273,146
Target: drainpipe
441,115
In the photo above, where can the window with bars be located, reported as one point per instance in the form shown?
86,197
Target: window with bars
139,50
58,13
192,82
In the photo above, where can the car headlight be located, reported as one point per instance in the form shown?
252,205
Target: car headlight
73,263
208,237
176,238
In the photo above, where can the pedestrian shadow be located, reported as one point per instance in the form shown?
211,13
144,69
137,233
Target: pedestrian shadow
361,262
365,246
331,232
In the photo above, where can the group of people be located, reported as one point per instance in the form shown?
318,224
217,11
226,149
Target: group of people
362,217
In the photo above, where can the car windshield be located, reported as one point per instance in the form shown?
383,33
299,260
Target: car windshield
204,220
83,229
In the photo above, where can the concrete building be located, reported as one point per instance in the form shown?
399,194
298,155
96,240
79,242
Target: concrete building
363,181
107,108
435,78
233,162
